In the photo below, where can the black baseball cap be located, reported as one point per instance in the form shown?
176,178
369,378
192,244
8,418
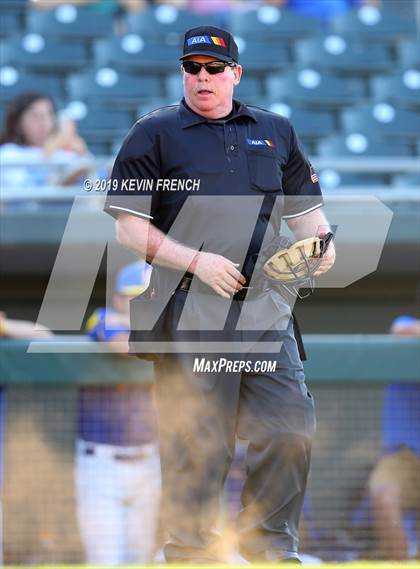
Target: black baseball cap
207,40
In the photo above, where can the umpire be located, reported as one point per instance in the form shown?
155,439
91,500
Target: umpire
230,153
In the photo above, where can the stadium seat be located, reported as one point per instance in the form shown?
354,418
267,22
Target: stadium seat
332,179
382,119
249,90
99,125
69,21
14,6
13,82
407,180
9,23
35,52
409,53
338,54
260,58
165,23
99,148
133,53
108,86
173,87
372,23
148,107
402,88
269,23
358,144
314,89
308,124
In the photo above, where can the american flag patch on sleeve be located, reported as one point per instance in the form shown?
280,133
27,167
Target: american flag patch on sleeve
314,175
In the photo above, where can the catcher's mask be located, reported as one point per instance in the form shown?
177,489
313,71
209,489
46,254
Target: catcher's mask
293,267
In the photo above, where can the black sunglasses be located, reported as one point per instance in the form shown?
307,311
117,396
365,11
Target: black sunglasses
213,67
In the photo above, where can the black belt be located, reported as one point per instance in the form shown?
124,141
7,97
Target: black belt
246,291
118,456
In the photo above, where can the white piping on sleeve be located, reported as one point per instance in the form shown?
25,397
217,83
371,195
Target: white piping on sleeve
131,211
302,212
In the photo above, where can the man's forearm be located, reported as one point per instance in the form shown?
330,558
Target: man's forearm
309,225
144,238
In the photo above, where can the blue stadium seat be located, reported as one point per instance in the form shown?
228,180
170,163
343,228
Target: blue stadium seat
249,90
13,82
148,107
107,86
331,179
311,88
99,125
9,23
308,124
14,6
409,53
269,23
382,119
402,88
165,23
358,144
407,180
372,23
338,54
68,21
173,87
35,52
133,53
99,148
262,57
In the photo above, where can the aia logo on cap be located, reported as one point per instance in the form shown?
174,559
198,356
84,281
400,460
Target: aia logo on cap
260,142
206,39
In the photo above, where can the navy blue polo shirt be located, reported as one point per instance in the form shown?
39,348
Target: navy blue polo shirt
252,154
119,415
401,417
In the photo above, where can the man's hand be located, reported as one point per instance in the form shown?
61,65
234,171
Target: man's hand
308,225
327,261
215,271
22,329
218,273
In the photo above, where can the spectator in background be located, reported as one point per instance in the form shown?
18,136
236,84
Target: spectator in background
322,9
394,484
117,457
99,5
210,6
35,149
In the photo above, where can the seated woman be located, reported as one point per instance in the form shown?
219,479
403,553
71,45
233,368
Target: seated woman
35,150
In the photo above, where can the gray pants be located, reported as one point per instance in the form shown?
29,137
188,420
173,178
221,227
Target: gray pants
199,416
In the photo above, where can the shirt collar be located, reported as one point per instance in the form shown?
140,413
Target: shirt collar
190,118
